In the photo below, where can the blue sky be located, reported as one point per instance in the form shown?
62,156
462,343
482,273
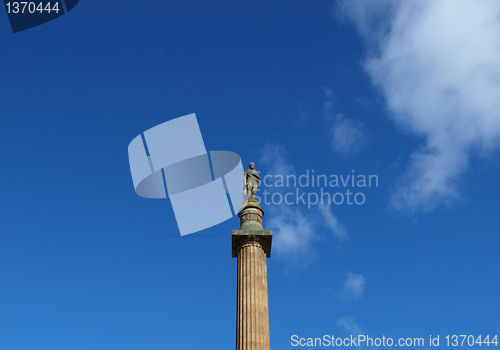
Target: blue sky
409,92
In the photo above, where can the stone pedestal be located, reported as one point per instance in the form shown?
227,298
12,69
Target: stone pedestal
251,245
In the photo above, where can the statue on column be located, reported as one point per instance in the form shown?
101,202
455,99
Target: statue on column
250,183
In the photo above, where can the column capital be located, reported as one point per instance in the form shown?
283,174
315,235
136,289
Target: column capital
261,237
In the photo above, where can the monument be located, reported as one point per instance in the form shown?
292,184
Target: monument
251,245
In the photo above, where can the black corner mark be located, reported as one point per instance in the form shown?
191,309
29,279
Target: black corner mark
28,14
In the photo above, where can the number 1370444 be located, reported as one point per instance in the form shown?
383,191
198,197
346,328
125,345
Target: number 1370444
32,7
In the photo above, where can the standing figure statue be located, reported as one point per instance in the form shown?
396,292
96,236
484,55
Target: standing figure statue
250,181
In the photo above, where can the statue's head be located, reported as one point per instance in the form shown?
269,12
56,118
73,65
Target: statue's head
251,165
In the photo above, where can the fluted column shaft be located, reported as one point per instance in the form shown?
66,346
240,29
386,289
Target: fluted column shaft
252,324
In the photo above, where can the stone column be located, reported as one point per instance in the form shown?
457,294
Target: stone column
251,245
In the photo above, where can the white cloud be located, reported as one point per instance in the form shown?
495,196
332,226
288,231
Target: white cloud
274,155
347,136
354,287
295,228
293,235
437,63
350,326
333,223
372,18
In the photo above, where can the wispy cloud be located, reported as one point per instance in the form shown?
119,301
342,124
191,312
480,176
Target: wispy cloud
354,287
273,155
350,326
438,65
333,223
296,228
294,235
347,135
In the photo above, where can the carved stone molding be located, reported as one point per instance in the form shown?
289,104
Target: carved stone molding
250,216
